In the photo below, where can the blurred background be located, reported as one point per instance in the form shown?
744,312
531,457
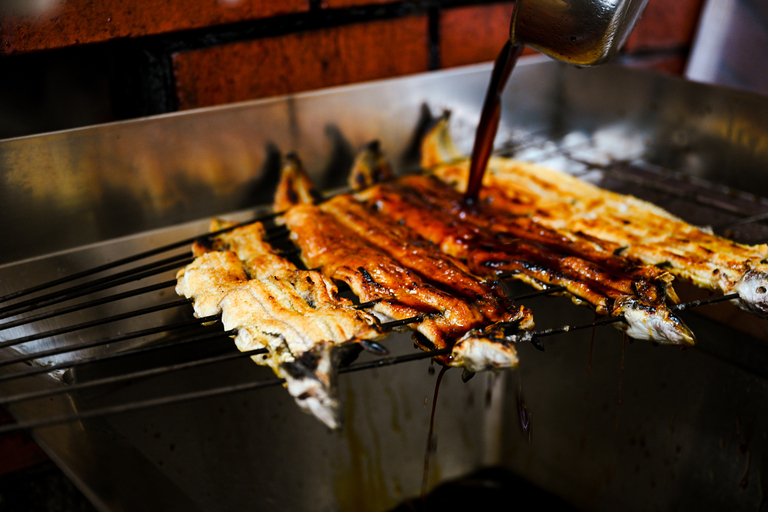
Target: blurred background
72,63
69,63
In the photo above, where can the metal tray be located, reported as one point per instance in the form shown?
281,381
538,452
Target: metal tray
615,425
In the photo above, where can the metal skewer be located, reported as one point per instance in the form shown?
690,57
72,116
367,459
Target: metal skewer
530,335
275,233
94,323
186,397
142,374
86,305
94,286
90,344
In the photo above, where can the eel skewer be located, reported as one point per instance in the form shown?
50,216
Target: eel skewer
637,230
296,315
404,276
490,253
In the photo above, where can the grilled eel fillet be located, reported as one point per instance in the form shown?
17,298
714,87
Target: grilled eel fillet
404,276
295,314
492,241
625,225
436,212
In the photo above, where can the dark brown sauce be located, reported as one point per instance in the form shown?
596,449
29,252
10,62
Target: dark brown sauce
489,118
430,438
745,476
583,439
522,410
591,350
621,379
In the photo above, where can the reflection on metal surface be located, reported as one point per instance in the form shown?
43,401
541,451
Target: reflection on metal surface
581,32
684,417
86,185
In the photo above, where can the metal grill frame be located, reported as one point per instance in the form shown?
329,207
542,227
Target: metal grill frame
561,102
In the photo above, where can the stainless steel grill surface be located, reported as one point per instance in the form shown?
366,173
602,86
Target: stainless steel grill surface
193,424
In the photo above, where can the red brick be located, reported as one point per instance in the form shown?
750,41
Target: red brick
87,21
665,24
300,62
473,34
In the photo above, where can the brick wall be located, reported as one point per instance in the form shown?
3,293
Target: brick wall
139,57
301,61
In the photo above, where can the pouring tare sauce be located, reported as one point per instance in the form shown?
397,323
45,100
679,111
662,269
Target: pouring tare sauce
580,32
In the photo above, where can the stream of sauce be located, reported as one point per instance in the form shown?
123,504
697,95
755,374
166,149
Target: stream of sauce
430,437
522,410
489,118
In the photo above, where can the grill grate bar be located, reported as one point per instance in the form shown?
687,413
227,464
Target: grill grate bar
142,374
704,302
748,220
94,323
94,286
130,259
166,284
208,393
104,341
671,185
567,328
537,293
127,276
117,355
386,325
545,144
86,305
531,335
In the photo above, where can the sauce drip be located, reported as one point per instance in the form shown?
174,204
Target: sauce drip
621,378
522,410
583,441
489,118
430,441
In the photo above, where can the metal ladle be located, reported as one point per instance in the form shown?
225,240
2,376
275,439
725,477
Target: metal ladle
580,32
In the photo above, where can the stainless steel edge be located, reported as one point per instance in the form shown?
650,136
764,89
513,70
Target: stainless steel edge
85,185
63,191
82,186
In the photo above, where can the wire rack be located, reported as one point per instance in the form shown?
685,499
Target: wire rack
57,327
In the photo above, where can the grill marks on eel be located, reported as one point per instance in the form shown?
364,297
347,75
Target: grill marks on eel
374,274
589,258
406,276
492,243
296,315
639,231
418,254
